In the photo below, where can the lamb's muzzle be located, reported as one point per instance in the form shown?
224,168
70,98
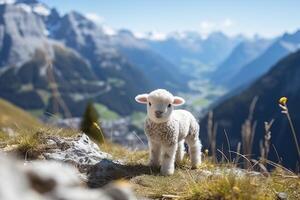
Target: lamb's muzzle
167,130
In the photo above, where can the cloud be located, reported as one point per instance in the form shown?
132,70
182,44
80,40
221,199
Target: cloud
206,26
95,17
227,23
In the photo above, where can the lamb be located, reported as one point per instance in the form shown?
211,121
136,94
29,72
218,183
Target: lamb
167,130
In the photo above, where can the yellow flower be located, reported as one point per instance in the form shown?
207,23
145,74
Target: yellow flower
283,101
206,151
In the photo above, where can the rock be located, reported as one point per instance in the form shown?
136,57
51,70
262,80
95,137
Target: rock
45,180
80,152
282,195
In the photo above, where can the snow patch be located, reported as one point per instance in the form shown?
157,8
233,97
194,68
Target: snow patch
25,7
108,30
41,10
156,36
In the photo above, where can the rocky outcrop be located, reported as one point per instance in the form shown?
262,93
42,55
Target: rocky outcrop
67,165
45,180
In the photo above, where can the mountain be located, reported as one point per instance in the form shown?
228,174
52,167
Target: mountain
241,55
281,80
283,46
161,72
187,46
30,82
102,50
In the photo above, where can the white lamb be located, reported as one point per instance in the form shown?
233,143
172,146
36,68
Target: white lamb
167,130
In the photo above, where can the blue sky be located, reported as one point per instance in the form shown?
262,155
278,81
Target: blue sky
265,17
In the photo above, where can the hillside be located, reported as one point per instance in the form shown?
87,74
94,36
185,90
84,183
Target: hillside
281,80
28,81
14,117
78,165
240,56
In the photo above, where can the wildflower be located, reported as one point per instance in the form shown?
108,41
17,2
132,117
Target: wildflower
282,105
285,110
283,101
206,151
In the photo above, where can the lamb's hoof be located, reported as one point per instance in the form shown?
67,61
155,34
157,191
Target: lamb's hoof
168,172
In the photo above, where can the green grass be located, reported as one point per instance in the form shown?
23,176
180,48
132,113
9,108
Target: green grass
106,113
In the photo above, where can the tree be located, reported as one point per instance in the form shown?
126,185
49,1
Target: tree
90,126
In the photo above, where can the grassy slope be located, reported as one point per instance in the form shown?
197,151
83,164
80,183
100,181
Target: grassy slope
184,184
27,130
196,184
14,117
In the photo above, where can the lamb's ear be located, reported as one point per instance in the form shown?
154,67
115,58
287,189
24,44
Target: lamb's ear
142,98
178,101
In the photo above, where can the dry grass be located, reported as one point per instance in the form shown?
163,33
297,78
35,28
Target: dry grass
14,117
30,143
198,184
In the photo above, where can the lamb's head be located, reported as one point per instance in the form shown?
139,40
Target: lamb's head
160,104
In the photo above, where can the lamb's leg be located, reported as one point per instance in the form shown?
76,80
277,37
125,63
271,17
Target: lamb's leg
194,151
155,152
180,152
168,162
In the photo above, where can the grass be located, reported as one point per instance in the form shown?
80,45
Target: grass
14,117
185,183
30,143
197,184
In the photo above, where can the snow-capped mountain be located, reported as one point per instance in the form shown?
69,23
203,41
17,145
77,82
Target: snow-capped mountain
178,47
26,77
281,47
87,63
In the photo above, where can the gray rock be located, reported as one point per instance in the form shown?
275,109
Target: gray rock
81,151
45,180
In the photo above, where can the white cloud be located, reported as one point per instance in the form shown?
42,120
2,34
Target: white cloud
206,26
95,17
227,23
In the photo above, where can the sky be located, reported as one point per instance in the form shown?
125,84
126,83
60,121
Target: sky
267,18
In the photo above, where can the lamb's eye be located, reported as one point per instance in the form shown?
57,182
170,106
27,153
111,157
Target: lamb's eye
150,104
169,106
